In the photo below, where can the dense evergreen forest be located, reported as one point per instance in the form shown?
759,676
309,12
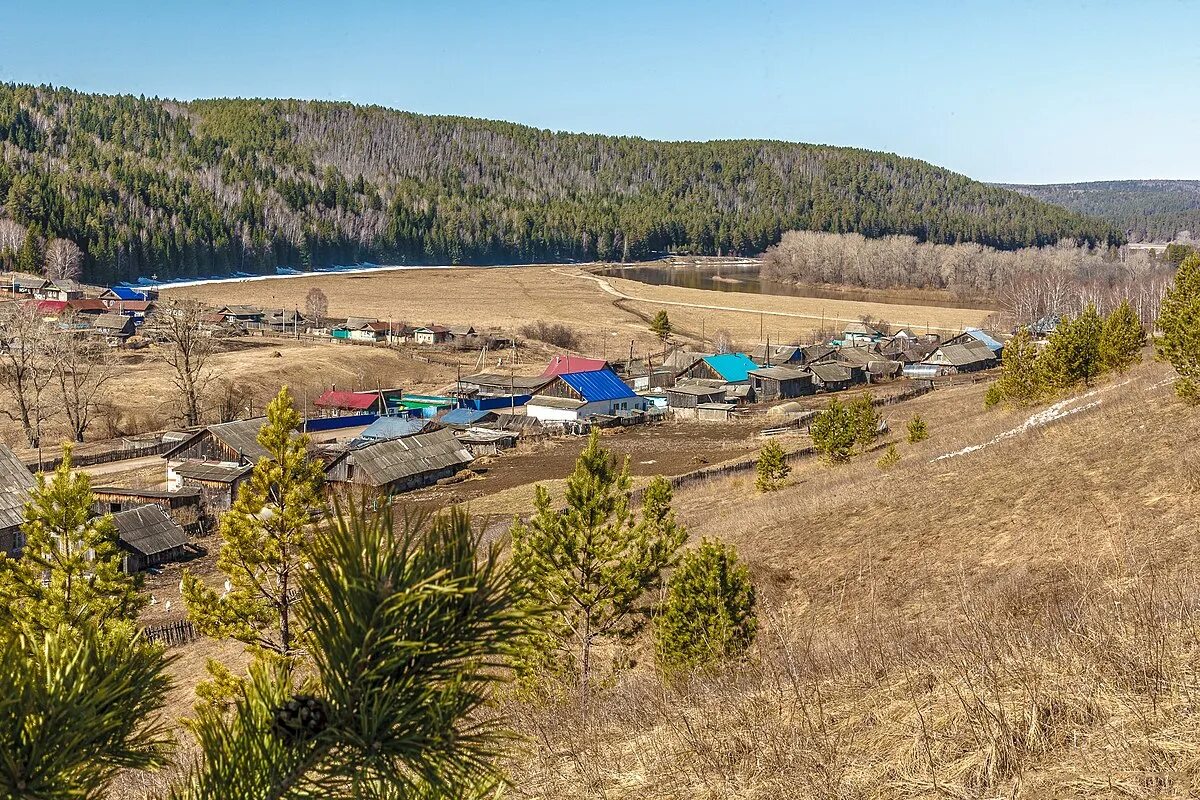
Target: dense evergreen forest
158,187
1145,211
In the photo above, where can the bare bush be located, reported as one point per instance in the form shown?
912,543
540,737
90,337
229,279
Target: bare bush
554,334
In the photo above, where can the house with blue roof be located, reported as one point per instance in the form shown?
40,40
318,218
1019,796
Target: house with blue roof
969,335
727,367
466,417
394,428
118,293
575,396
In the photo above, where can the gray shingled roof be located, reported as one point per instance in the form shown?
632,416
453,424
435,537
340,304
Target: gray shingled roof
386,462
214,471
242,436
16,481
782,373
548,401
831,373
148,530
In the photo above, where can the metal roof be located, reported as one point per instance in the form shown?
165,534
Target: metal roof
148,530
465,416
546,401
386,462
127,293
16,481
359,401
782,373
497,380
241,436
598,385
564,364
696,390
984,337
733,367
394,427
831,373
213,471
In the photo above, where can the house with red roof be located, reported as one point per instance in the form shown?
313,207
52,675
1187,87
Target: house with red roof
339,403
566,364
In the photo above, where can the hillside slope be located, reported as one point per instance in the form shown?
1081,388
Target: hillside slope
1150,211
155,186
1015,621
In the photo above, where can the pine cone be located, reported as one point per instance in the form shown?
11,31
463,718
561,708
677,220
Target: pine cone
301,718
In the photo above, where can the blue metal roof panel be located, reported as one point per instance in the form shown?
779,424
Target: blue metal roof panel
600,384
394,427
128,293
732,367
992,344
463,416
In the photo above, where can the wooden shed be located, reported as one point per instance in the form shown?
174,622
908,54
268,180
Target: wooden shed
149,537
781,383
16,482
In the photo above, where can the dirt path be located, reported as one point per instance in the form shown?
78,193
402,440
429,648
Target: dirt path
615,292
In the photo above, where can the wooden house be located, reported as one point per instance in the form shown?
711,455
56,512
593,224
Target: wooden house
684,399
431,334
391,466
573,396
148,536
334,403
781,383
16,483
114,329
828,377
217,483
233,442
725,367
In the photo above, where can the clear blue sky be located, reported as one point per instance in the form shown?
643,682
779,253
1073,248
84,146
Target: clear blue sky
1024,91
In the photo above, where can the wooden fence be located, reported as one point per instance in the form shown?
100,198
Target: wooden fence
172,634
50,463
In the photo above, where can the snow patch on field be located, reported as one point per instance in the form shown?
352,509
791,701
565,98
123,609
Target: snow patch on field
1060,410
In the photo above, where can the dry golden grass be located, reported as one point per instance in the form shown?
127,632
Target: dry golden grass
506,298
1016,622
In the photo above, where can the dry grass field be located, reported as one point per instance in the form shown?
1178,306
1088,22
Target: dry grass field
511,296
1017,621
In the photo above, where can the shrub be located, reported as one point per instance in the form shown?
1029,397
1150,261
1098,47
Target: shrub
772,467
867,421
918,429
993,397
553,333
890,457
708,615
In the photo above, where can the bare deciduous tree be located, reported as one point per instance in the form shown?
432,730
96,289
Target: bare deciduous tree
316,307
12,237
25,368
64,260
187,352
82,366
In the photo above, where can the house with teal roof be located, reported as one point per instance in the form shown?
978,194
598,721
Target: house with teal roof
725,367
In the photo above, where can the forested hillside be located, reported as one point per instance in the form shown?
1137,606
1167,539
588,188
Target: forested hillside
148,186
1147,211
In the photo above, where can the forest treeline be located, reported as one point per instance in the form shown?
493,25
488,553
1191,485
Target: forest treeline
1029,283
146,186
1145,211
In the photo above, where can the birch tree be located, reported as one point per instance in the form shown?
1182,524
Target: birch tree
26,369
187,352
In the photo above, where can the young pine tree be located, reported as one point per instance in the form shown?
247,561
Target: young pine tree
70,573
834,432
1072,354
660,325
265,535
1179,323
1122,339
708,615
918,429
772,468
890,457
1020,380
867,421
594,565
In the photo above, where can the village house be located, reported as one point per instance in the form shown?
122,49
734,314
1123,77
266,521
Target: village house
244,315
16,484
460,332
118,294
829,377
335,403
391,466
21,284
725,367
282,320
781,383
965,356
485,441
148,536
395,428
217,483
860,333
977,335
87,307
431,334
684,399
483,387
114,329
463,418
227,442
60,289
574,396
777,355
568,363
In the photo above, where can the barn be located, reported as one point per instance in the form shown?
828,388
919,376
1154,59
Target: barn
781,383
149,537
